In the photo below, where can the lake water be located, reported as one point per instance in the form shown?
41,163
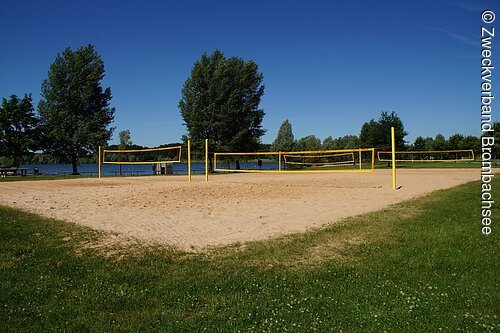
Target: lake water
133,169
111,169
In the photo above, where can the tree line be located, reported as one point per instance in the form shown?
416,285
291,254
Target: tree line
376,134
125,142
219,101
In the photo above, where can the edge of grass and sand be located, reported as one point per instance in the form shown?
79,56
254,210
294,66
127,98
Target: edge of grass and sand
421,265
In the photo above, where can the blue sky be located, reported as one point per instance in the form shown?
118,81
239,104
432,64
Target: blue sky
328,66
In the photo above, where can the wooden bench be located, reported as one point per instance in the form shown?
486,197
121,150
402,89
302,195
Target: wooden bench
4,172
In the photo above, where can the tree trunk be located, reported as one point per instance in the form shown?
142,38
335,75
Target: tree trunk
17,162
74,165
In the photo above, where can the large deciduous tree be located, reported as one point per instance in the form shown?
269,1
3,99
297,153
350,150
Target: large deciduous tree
75,110
284,140
220,102
377,134
18,129
310,142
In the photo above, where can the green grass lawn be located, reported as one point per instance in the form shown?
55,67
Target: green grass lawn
38,177
420,266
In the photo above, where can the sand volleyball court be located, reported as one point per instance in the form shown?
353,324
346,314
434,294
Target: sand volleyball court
230,208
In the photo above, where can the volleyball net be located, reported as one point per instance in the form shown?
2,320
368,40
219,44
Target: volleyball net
319,160
347,160
466,155
165,155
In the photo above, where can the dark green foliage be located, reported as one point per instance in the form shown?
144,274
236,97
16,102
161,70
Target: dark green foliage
310,142
349,142
18,129
455,141
220,102
284,140
439,143
329,144
429,142
41,158
142,156
419,144
377,134
125,139
370,135
471,142
344,142
74,110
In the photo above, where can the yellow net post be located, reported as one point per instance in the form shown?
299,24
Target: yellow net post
215,161
360,166
373,158
189,160
206,160
99,161
393,143
279,161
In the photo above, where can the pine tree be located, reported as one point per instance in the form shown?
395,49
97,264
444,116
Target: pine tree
284,140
